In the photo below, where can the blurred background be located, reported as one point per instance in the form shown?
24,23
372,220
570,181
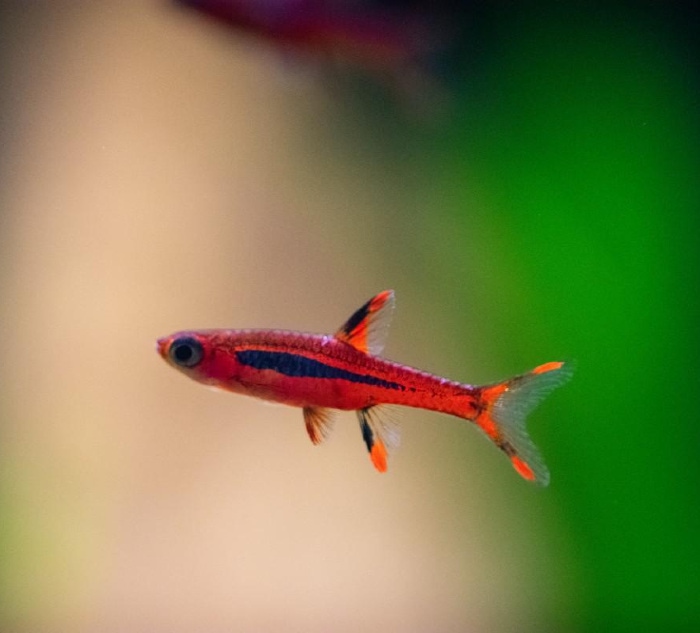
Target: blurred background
524,175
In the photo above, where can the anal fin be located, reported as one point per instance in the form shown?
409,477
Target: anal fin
319,423
380,434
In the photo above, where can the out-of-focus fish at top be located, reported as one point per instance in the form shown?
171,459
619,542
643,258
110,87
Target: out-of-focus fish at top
399,43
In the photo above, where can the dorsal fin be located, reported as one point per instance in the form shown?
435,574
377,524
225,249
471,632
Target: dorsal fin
367,328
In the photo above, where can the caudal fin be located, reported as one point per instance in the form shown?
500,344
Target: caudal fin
505,407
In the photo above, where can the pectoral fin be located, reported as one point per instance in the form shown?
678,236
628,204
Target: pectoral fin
319,423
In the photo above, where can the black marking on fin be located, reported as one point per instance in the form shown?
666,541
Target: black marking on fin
357,318
367,433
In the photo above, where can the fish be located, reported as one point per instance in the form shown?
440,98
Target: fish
368,35
396,45
322,374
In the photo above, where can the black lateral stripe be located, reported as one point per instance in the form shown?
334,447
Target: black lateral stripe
300,366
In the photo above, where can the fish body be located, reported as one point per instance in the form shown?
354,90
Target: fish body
399,47
330,29
322,373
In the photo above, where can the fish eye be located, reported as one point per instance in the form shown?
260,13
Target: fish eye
186,352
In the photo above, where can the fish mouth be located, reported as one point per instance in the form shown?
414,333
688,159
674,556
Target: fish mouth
162,347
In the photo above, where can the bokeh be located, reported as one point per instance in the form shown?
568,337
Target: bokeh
526,180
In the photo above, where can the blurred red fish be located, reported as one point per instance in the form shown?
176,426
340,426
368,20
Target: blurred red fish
395,44
323,373
375,38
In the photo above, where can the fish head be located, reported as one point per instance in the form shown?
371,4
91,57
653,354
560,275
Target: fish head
197,354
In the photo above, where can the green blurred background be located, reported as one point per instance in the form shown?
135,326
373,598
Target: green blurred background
159,173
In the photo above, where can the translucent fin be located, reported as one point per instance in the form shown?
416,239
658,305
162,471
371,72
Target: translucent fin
505,408
319,423
380,433
367,328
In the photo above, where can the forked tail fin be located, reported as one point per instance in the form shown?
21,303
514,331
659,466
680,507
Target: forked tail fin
504,408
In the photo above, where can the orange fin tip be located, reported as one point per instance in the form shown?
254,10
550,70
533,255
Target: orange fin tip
547,367
378,456
522,468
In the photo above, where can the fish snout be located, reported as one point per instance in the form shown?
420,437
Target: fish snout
162,347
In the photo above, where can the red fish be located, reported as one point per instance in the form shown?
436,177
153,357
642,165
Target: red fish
327,27
322,373
399,46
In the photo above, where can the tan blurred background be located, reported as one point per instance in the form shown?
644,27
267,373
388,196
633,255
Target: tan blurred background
157,174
